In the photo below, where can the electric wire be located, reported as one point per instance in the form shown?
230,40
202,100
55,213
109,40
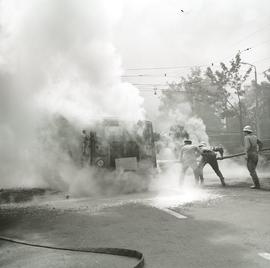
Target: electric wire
156,85
261,60
252,34
165,68
188,66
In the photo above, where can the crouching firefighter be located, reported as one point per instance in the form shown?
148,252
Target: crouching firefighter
252,145
209,157
188,157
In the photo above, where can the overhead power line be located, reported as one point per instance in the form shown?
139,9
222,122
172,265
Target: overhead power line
183,66
261,60
165,90
261,43
190,66
165,68
169,84
135,84
151,75
252,34
203,65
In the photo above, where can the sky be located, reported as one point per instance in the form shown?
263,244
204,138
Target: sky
157,34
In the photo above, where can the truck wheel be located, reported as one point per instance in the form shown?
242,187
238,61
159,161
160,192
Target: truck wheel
100,163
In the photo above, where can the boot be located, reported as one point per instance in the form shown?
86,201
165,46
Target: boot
256,182
255,187
201,178
222,181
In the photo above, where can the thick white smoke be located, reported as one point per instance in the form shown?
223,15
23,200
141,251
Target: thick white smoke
57,60
193,126
185,125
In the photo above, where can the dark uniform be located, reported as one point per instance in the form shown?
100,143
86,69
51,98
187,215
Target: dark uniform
85,147
209,157
252,144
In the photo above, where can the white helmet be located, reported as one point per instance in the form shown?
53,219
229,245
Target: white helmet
202,144
247,129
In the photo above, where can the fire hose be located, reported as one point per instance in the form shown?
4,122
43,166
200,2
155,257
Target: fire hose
112,251
218,158
239,154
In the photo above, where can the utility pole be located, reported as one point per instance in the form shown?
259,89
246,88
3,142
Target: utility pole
257,123
257,104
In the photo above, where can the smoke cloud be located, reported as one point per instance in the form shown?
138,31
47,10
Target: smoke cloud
58,70
171,141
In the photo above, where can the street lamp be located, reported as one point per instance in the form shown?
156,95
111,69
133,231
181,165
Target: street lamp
256,98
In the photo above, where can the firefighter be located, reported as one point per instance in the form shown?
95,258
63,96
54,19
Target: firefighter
188,157
85,146
209,157
252,145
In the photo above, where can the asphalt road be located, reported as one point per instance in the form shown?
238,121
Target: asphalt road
225,227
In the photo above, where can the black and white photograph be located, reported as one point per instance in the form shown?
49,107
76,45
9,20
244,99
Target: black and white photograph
134,133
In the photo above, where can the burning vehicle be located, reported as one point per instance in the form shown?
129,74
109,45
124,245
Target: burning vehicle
115,144
111,157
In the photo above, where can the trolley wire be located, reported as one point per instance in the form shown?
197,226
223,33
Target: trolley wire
252,34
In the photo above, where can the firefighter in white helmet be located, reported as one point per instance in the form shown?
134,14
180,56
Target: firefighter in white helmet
188,157
209,157
252,146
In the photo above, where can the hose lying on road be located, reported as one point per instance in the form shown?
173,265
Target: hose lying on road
112,251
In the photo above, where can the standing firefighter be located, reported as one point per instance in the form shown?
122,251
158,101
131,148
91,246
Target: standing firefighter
85,146
188,158
209,157
252,145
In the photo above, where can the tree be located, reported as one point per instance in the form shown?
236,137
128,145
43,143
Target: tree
263,109
267,74
190,97
194,89
229,91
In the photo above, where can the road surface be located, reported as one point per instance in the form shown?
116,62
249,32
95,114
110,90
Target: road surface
222,227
